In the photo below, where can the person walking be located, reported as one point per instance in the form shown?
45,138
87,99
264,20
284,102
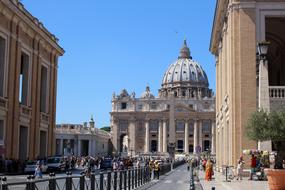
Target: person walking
252,166
209,170
240,168
38,170
156,169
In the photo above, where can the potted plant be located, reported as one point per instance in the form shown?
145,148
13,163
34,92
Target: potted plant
263,126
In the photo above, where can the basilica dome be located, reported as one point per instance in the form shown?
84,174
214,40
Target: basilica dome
185,71
185,77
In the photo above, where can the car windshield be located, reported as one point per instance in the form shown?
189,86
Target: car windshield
53,160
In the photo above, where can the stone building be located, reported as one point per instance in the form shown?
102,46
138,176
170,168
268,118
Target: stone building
28,75
243,85
180,119
81,140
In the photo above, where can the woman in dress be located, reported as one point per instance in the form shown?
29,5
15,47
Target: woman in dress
209,171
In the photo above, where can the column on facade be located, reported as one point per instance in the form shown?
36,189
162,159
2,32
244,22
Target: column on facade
61,146
201,134
263,97
213,135
79,147
90,146
164,129
195,136
186,137
115,134
132,136
160,138
146,136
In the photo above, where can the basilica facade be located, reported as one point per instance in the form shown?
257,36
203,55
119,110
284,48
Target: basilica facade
180,119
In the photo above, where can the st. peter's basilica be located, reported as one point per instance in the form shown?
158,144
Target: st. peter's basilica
181,119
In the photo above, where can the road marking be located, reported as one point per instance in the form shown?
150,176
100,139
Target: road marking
168,181
180,182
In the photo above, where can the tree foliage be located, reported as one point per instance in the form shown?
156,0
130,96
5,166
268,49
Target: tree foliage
106,128
266,126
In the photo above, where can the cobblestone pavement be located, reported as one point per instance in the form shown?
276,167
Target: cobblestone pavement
178,179
220,184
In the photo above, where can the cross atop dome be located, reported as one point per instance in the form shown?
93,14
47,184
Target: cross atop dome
184,51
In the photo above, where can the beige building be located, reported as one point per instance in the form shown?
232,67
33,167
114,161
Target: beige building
180,119
28,74
243,84
81,140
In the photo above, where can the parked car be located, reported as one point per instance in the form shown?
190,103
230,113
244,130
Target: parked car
31,166
56,164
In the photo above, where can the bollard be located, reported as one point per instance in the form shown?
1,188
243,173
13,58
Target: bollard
115,180
192,184
125,179
68,181
52,182
81,182
4,185
136,178
133,179
213,188
129,179
141,171
121,180
109,181
227,173
92,182
101,185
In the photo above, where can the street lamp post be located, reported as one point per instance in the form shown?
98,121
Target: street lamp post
263,85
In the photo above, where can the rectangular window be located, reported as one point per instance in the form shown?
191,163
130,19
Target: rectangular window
123,105
180,126
206,127
191,128
153,125
123,125
153,106
43,95
43,144
24,79
2,64
23,141
1,130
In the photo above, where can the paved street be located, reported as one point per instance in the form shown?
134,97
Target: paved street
219,183
175,180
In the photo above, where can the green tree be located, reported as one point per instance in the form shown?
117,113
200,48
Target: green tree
106,128
264,126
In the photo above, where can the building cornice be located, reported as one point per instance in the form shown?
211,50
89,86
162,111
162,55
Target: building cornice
223,8
20,14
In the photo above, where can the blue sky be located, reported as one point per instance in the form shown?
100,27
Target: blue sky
116,44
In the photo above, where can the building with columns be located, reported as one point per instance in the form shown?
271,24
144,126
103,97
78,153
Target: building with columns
81,140
181,119
28,83
245,83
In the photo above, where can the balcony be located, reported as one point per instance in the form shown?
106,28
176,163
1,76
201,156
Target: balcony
277,98
25,111
44,117
3,103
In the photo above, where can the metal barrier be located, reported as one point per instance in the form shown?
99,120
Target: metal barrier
192,184
118,180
